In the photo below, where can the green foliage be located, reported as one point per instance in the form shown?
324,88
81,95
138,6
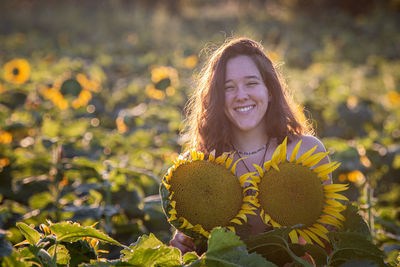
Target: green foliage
349,246
30,234
149,251
100,161
274,246
226,249
71,232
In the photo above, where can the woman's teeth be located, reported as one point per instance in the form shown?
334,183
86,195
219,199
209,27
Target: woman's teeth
244,109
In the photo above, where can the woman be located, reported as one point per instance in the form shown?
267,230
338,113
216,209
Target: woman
240,106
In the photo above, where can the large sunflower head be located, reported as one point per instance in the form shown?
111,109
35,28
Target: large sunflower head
17,71
291,192
199,194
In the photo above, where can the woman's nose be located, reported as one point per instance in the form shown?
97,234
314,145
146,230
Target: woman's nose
241,92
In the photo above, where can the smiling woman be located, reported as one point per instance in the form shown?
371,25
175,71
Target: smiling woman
240,108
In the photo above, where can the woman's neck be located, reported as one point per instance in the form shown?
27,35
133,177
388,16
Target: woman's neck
249,141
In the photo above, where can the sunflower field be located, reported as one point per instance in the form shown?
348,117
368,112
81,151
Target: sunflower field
92,103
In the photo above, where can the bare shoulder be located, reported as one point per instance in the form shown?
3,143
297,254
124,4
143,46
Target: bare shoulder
308,142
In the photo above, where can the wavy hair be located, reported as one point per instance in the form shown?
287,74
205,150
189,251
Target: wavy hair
207,126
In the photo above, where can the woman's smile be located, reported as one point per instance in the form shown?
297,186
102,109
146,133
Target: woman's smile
245,109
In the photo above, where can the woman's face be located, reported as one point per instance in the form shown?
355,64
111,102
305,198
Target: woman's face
246,96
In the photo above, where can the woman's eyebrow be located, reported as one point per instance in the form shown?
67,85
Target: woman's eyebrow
247,77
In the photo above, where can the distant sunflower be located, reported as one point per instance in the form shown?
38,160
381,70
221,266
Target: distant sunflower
292,193
198,194
165,80
17,71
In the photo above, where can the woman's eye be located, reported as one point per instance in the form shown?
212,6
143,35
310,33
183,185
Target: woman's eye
252,84
228,88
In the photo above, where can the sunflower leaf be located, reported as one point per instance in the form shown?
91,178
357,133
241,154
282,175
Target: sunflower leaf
317,253
274,246
189,257
351,246
68,232
354,222
30,234
149,251
226,249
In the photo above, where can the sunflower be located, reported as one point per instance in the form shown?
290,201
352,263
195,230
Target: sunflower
292,193
199,194
17,71
165,80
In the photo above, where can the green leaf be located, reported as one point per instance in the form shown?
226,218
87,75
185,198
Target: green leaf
226,249
317,253
348,246
30,234
63,256
354,222
80,252
149,251
40,200
189,257
274,246
71,232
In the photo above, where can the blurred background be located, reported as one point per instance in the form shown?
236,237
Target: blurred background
92,97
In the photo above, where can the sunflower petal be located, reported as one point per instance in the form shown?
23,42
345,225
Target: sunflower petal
237,221
234,164
324,167
167,186
211,156
334,203
294,237
319,233
253,183
172,211
200,155
330,220
184,222
314,159
334,213
274,223
172,218
231,228
304,235
276,156
295,150
275,166
221,159
314,237
306,155
267,165
173,203
325,178
259,169
193,154
329,170
283,150
335,187
228,162
249,188
244,177
25,242
336,196
320,227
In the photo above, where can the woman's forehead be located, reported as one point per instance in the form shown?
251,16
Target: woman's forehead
241,67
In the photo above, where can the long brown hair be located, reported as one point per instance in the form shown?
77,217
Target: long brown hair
208,128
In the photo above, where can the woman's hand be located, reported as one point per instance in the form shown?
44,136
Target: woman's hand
182,242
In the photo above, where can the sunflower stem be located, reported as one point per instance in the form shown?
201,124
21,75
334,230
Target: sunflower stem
369,192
